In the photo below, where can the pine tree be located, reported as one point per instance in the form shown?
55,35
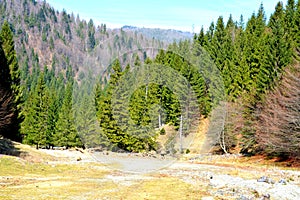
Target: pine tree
279,50
290,17
85,115
296,47
236,72
35,125
218,51
66,133
5,78
104,109
52,113
255,54
255,48
7,43
91,35
6,97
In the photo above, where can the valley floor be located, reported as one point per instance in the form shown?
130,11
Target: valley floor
71,174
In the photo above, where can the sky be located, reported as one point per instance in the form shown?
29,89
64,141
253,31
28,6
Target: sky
184,15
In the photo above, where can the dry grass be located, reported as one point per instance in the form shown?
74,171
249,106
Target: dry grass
41,176
160,188
21,179
38,175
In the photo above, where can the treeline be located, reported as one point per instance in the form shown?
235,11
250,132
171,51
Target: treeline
38,108
56,56
252,58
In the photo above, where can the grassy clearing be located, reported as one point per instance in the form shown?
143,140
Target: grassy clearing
21,179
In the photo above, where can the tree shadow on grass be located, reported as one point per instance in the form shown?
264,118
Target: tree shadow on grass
7,147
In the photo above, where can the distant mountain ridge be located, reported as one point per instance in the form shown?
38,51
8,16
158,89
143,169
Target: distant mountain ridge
165,35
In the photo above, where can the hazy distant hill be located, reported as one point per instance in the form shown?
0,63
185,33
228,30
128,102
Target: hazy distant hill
165,35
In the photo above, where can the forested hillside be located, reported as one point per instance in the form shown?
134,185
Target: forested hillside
60,39
54,51
50,96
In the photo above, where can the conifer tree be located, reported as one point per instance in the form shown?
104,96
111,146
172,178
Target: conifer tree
6,97
66,133
10,53
35,125
279,52
91,35
85,114
296,48
7,43
5,78
104,109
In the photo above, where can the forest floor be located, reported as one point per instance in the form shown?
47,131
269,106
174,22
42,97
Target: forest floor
78,174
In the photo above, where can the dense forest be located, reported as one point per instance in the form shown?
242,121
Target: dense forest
62,86
55,53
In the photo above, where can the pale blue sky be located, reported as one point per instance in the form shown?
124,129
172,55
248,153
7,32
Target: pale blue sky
175,14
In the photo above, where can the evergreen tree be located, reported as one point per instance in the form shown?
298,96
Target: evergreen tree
279,52
35,125
85,115
218,51
10,53
254,49
104,109
296,47
255,54
52,113
7,43
91,35
6,97
66,133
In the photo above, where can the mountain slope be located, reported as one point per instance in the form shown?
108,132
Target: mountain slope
59,39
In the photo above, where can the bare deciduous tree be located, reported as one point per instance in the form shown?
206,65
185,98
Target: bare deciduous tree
278,126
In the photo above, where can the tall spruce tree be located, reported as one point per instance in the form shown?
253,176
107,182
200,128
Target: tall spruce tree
104,109
85,114
279,52
8,46
35,125
7,43
6,97
66,133
296,47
